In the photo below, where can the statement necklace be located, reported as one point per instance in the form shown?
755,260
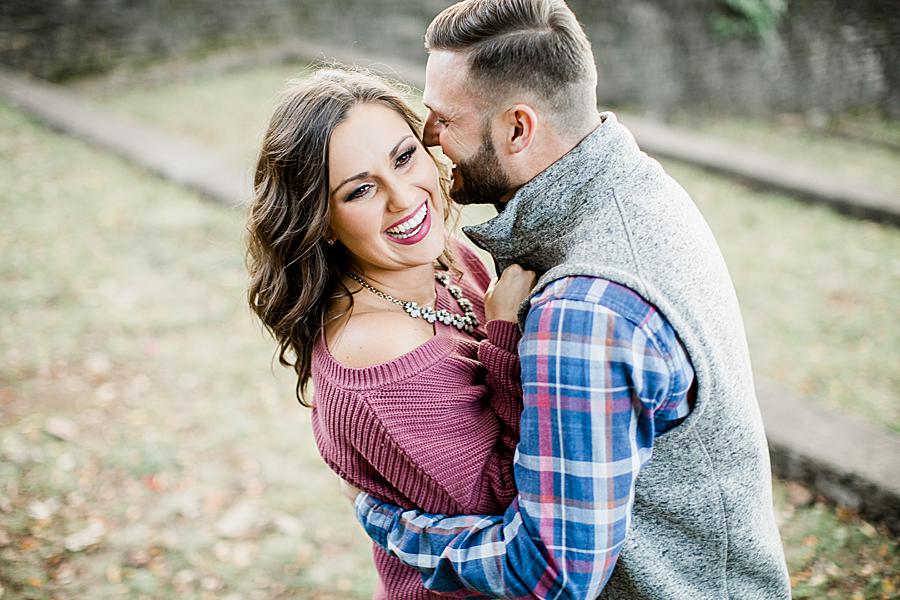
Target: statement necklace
465,322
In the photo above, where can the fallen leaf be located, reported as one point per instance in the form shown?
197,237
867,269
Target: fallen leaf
114,574
817,579
844,514
98,364
240,520
89,536
184,578
105,392
152,483
64,575
188,505
243,554
210,583
41,510
28,544
137,559
868,530
798,495
286,524
61,428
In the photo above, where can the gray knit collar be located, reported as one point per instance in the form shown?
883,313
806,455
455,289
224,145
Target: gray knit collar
529,229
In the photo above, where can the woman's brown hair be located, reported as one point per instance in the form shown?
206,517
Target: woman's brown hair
295,276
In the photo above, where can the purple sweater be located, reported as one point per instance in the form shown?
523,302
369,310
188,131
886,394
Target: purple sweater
435,428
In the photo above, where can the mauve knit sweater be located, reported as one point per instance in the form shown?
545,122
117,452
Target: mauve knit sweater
435,428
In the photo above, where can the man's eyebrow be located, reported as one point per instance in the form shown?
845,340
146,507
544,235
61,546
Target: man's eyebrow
432,108
365,174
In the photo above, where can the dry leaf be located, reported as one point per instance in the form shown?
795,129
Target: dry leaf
87,537
61,428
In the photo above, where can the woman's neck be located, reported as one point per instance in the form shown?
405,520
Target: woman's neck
415,284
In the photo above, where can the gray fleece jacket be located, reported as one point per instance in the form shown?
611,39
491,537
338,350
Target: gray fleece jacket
703,525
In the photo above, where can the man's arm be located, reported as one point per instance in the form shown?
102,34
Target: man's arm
592,380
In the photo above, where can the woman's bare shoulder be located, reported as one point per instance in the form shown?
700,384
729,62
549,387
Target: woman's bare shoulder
369,338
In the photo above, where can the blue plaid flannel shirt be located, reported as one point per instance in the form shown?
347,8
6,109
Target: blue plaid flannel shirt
603,373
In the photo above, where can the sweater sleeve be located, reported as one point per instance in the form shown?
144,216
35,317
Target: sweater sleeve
499,355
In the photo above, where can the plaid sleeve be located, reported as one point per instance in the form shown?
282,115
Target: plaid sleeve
593,380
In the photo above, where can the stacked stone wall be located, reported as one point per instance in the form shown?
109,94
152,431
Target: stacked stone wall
825,57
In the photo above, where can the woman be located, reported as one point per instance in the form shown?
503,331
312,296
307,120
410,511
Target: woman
414,368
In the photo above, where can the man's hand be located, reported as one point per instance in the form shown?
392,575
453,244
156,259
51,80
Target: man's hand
349,491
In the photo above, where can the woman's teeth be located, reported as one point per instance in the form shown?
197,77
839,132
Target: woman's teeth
405,229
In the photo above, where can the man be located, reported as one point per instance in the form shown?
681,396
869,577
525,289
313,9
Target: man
642,466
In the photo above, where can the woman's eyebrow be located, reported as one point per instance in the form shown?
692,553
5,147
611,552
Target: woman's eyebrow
396,148
362,175
365,174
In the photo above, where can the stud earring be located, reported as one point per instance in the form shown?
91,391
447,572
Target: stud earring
329,241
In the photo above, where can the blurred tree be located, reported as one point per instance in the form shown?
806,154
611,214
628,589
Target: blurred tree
754,18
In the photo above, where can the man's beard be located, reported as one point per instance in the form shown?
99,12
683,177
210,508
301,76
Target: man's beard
480,179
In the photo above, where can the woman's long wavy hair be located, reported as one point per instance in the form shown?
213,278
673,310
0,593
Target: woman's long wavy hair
296,278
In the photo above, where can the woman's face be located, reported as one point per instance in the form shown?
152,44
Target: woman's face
385,198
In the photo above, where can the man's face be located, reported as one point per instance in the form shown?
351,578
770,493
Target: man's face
457,121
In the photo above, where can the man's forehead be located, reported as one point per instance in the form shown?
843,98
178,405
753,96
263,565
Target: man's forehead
445,87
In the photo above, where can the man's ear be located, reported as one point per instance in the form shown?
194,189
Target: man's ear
521,122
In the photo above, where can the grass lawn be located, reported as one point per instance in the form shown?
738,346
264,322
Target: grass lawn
870,156
139,406
818,290
148,449
228,112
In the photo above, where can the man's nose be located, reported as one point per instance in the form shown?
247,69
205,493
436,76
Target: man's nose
431,132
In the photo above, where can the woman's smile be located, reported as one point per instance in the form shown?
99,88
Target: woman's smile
411,229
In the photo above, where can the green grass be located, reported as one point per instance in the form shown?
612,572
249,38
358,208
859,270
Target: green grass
123,311
818,290
870,157
226,113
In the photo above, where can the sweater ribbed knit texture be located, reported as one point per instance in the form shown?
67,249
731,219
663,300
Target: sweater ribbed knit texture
435,428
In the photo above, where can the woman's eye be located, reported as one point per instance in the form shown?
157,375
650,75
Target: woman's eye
406,156
359,192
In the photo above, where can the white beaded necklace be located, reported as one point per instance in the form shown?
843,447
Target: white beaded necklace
465,322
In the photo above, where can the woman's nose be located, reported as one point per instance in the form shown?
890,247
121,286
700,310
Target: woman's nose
402,196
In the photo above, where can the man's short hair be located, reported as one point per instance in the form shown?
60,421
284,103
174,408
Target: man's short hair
511,46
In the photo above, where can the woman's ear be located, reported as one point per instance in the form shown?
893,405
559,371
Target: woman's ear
521,121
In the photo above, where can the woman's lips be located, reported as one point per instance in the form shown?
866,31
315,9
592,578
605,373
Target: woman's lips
415,234
411,217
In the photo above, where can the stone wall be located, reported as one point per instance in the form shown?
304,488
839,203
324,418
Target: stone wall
827,56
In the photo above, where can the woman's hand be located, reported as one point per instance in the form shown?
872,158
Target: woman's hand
504,295
349,492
